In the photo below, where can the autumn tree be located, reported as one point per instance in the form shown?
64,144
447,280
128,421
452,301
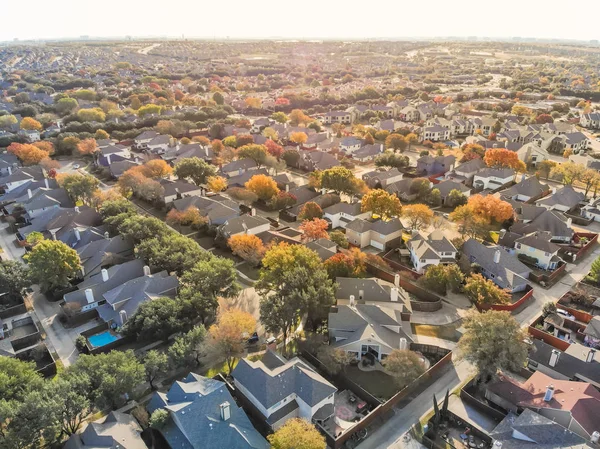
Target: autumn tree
52,264
419,216
569,172
314,229
297,117
263,186
100,134
521,110
298,137
228,334
91,115
273,148
489,208
396,142
503,158
456,198
346,264
27,154
473,151
339,179
87,147
29,123
297,433
339,238
493,341
258,153
283,200
544,118
79,187
310,210
279,117
197,170
469,223
484,292
216,183
242,195
404,366
545,167
381,203
157,169
247,246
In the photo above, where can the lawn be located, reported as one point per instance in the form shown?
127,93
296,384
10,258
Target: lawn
445,332
378,383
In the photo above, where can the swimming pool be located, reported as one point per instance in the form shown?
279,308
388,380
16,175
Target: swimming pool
103,338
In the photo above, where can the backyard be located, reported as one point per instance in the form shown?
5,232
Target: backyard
378,383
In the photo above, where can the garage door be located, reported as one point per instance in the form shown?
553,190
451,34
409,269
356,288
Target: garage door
376,244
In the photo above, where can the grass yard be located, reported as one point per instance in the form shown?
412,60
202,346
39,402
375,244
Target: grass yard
445,332
378,383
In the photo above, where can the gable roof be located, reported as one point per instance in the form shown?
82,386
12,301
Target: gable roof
530,187
566,196
552,221
117,430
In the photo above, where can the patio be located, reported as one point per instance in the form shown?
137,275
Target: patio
345,413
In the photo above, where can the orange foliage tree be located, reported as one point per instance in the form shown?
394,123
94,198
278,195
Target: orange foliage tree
314,229
490,208
216,183
27,154
503,158
263,186
45,146
87,146
247,246
298,137
30,123
156,168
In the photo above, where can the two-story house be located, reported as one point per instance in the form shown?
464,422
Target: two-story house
376,233
539,250
492,178
340,214
433,249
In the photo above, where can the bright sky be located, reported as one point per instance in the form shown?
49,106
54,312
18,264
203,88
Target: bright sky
42,19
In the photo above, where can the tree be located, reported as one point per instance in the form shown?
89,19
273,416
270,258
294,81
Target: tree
53,264
419,216
227,336
569,172
204,282
521,110
195,169
156,320
298,137
87,147
297,433
91,115
489,208
493,341
263,186
469,223
391,160
381,203
456,198
544,118
404,366
29,123
342,265
258,153
160,417
314,229
339,238
273,148
80,187
117,206
188,349
71,403
279,117
310,210
435,278
594,274
100,134
283,200
216,183
484,292
339,179
244,139
243,195
420,187
291,158
156,169
396,142
149,109
473,151
14,278
503,158
334,359
172,251
111,375
27,154
247,246
455,277
218,97
17,378
7,121
156,364
297,117
545,167
66,105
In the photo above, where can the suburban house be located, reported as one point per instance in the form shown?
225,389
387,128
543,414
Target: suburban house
504,269
532,153
123,301
161,144
242,179
337,117
591,210
573,405
8,163
244,224
591,120
433,165
368,152
448,185
217,209
402,189
202,413
538,248
238,167
433,249
116,430
340,214
492,178
377,233
435,133
316,160
32,204
141,142
117,168
280,389
350,144
177,189
58,224
20,176
379,179
565,199
112,153
554,222
466,171
361,329
103,253
526,189
373,292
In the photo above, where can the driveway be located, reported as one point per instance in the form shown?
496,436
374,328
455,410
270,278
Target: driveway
7,242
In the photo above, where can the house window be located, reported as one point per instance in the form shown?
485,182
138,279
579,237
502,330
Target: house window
492,275
518,246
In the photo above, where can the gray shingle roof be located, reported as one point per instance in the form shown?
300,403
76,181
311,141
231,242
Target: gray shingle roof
117,430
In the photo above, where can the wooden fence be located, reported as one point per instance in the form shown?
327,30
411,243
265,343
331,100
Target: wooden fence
508,307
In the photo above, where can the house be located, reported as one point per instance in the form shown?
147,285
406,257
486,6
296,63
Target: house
202,413
433,249
238,167
374,292
124,300
244,224
8,163
492,178
216,209
466,171
190,150
83,300
20,176
141,141
280,389
447,186
116,430
433,165
242,179
368,152
530,429
379,179
532,154
525,190
435,133
377,233
31,135
359,329
340,214
504,269
103,253
402,189
576,141
410,114
591,210
58,224
112,153
32,204
350,144
565,199
538,247
316,161
573,405
337,117
116,169
177,189
554,222
591,121
325,248
259,124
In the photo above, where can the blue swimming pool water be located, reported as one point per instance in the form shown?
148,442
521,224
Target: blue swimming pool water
103,338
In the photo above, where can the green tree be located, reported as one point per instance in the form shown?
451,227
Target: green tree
72,405
218,97
112,208
435,278
456,198
17,378
484,292
594,274
389,159
188,349
493,341
334,359
279,117
258,153
156,320
420,187
156,364
434,198
159,418
140,227
310,210
339,179
14,278
195,169
339,238
404,366
80,187
53,264
297,433
172,252
396,142
66,105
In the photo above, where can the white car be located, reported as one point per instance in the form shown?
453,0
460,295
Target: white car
76,166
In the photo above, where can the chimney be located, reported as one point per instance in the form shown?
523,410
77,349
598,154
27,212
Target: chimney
225,411
104,274
352,302
394,295
46,183
397,280
549,393
206,151
361,295
29,195
106,235
497,256
287,187
108,159
323,191
146,270
77,234
554,357
502,234
245,226
569,222
595,437
53,234
10,170
590,356
123,317
253,212
381,147
77,209
89,295
403,344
